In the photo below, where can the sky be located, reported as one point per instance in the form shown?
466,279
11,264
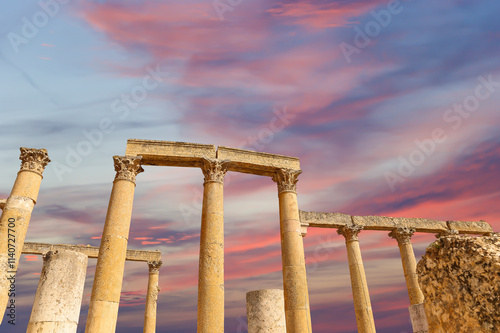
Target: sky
392,108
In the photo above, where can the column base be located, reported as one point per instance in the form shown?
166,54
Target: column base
418,318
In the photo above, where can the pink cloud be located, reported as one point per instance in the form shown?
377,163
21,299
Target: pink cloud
322,15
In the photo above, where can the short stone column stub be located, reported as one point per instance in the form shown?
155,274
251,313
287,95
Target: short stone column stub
266,311
58,299
152,297
211,260
16,215
360,293
105,298
296,294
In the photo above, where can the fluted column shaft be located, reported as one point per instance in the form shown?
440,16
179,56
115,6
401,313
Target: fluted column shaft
297,312
16,215
211,266
105,298
58,299
360,293
403,236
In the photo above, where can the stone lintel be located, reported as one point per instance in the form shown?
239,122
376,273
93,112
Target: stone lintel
336,220
2,203
470,227
256,163
89,251
169,153
325,220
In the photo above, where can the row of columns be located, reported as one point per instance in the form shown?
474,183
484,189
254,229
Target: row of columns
361,296
14,221
107,285
211,260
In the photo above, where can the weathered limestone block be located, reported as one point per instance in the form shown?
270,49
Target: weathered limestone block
460,279
266,311
58,299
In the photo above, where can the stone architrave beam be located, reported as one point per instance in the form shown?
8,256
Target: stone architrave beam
89,251
261,164
168,153
337,220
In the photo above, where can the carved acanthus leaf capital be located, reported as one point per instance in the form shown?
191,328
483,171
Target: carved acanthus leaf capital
214,170
154,266
350,232
287,180
127,167
402,235
34,159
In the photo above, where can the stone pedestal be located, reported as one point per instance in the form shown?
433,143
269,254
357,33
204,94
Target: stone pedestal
16,215
266,311
211,267
105,298
360,294
297,312
58,299
152,297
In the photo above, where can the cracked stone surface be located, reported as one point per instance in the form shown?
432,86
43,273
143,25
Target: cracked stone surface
460,279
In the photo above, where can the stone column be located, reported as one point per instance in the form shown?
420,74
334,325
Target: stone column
360,294
152,297
297,312
417,313
16,214
403,236
58,299
266,311
105,298
211,267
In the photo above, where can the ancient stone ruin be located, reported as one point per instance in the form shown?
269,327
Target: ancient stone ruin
460,280
267,310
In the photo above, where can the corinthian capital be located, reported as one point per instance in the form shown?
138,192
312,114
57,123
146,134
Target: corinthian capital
34,159
402,235
350,232
127,167
154,266
214,170
287,180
